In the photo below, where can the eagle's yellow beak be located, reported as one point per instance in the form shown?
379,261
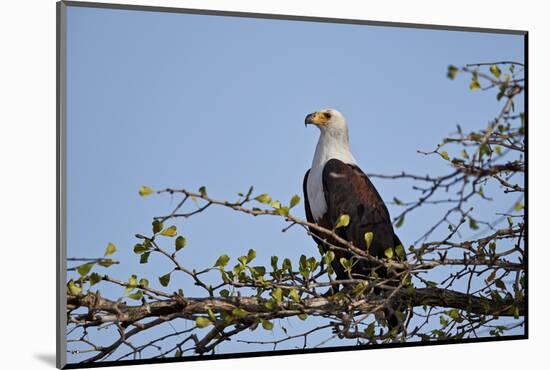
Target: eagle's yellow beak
317,118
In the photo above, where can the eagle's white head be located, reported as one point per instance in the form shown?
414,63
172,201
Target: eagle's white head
334,138
330,122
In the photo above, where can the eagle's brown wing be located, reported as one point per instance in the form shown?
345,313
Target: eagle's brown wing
348,190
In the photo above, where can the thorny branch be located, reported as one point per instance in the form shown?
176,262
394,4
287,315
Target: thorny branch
482,291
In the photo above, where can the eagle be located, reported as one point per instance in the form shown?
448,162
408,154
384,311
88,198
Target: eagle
334,186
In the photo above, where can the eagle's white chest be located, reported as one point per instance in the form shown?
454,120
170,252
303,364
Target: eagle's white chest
328,147
315,193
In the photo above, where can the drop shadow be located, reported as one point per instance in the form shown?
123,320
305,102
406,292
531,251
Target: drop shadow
47,358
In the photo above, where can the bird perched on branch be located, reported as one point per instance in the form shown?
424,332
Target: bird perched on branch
337,191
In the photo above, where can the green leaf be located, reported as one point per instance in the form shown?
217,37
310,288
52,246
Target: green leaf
369,331
452,72
397,201
445,155
239,312
443,321
164,279
274,260
276,204
157,226
144,257
139,248
283,211
225,275
473,224
359,288
132,283
474,85
518,206
481,192
369,237
222,261
454,314
492,276
500,284
266,324
84,269
389,253
263,198
224,293
485,149
178,353
346,264
180,242
400,251
111,248
329,257
495,71
400,221
242,260
202,191
258,271
169,231
287,265
277,294
137,295
73,288
145,190
342,221
106,262
250,255
293,294
295,200
270,304
211,315
312,263
202,322
144,282
95,278
226,317
302,316
510,221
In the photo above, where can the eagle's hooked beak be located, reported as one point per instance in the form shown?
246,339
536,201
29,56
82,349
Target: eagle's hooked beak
309,119
316,118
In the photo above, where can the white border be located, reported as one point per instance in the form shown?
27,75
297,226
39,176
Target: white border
27,187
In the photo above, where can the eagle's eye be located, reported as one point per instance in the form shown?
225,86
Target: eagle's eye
327,115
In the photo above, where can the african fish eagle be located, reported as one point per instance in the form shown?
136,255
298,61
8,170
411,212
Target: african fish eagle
335,186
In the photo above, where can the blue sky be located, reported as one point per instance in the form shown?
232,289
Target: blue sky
176,100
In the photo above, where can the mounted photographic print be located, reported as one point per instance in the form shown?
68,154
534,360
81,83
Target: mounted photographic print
235,184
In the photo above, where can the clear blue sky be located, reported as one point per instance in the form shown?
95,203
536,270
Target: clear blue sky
176,100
